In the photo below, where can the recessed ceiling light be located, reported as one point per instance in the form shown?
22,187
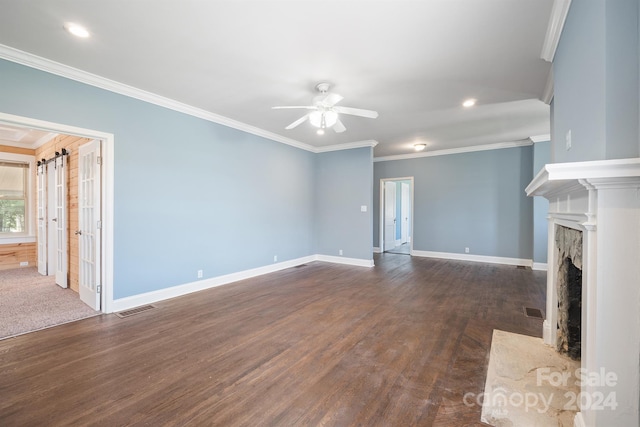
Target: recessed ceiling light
76,30
419,147
469,103
320,131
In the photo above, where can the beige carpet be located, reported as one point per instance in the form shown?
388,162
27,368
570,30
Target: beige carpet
29,302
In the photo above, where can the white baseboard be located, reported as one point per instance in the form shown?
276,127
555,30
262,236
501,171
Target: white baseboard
474,258
377,250
540,266
200,285
578,420
349,261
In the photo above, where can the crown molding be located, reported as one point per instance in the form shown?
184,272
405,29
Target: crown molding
460,150
346,146
62,70
540,138
558,16
547,93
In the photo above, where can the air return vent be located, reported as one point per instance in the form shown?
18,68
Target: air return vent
534,313
134,311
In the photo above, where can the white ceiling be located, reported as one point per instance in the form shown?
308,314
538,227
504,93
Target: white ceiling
412,61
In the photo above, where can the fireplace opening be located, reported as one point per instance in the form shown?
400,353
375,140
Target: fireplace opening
569,288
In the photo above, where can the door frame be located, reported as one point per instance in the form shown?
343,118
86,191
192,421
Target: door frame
107,184
411,209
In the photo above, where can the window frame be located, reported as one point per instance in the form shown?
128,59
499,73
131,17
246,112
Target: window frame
28,236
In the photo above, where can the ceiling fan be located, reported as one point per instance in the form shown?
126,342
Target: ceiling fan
325,113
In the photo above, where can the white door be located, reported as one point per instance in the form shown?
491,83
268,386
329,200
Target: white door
60,221
51,219
89,223
389,215
42,220
404,212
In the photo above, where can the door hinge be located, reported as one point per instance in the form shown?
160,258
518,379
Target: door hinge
99,158
99,225
99,289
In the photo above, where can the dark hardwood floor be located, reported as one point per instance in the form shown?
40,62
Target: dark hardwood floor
395,345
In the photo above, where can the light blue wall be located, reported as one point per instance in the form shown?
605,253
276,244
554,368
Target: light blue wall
474,200
541,156
344,184
596,87
189,194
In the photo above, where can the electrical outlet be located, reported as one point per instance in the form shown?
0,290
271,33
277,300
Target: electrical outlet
568,139
275,258
199,274
340,252
466,250
24,263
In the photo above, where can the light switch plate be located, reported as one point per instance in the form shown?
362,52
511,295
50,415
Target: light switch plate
363,208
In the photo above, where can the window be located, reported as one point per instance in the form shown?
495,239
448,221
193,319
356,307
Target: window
15,196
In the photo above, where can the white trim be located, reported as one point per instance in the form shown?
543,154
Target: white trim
377,250
347,146
539,266
557,19
540,138
107,185
59,69
382,201
16,240
471,149
548,91
358,262
474,258
201,285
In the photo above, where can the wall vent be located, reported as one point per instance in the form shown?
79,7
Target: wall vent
534,313
134,311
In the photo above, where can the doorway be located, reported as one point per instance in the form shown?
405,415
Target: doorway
93,217
396,215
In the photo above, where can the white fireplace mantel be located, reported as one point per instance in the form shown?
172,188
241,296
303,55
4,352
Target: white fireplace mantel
601,199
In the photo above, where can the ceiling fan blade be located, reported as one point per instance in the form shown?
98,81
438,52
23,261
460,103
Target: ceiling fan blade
339,127
306,107
332,99
357,112
298,122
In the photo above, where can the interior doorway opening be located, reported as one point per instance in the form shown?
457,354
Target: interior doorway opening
92,219
396,215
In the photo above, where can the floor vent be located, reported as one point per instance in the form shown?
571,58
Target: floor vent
135,311
521,267
301,265
534,313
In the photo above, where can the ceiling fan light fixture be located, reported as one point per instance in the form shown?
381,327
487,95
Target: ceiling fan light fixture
323,119
419,147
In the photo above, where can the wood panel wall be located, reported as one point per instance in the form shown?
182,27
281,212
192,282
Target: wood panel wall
11,255
46,151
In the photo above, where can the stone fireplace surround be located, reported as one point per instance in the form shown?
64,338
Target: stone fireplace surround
602,200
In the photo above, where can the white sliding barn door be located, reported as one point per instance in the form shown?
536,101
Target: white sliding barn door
89,223
42,220
60,221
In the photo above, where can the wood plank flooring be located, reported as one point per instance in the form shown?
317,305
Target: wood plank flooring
395,345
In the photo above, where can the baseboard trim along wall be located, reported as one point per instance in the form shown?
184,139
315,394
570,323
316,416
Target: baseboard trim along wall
540,266
475,258
200,285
